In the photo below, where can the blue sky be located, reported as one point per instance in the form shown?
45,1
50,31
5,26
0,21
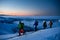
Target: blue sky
30,7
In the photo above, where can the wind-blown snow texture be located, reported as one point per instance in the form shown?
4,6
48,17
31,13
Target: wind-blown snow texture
47,34
9,30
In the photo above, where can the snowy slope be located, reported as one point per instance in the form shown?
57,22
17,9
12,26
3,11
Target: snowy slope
7,29
7,36
46,34
10,36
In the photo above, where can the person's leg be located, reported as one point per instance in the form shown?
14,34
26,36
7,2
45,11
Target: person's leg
35,28
44,27
50,26
24,31
19,32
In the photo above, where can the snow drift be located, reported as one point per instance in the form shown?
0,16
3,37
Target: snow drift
46,34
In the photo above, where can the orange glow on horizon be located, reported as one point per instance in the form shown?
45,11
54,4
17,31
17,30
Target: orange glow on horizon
21,13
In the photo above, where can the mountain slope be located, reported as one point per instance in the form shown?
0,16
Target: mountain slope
46,34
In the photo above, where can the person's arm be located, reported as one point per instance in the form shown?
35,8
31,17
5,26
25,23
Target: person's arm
18,26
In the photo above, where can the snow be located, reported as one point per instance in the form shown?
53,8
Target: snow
59,20
7,30
7,36
34,17
10,36
46,34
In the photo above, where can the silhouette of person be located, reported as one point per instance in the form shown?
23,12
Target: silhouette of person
44,24
51,23
36,24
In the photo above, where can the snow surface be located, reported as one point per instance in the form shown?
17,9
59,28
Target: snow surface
35,17
8,30
46,34
10,36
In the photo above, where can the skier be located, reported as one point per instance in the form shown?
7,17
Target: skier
21,28
36,24
51,23
44,24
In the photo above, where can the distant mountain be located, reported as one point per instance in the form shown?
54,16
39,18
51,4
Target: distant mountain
4,15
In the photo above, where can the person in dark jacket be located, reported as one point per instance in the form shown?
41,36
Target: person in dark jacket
36,24
51,23
44,24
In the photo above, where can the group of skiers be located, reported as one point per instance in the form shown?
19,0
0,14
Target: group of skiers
21,26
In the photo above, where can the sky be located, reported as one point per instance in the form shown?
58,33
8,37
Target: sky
30,7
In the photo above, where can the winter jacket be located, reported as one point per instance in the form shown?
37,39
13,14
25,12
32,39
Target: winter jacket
21,26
